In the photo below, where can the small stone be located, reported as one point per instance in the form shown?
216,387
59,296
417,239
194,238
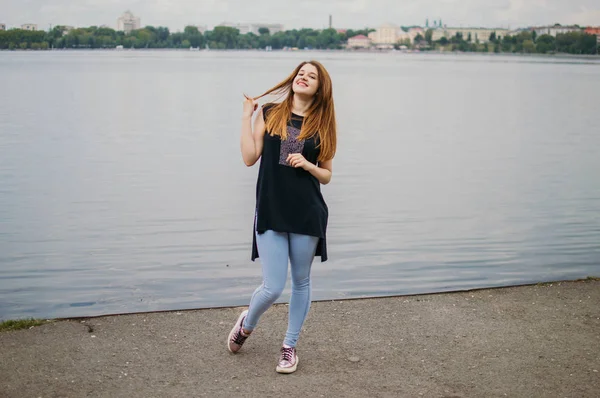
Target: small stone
93,336
354,359
234,377
595,370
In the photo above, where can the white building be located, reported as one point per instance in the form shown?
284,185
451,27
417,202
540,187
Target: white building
386,35
253,27
555,30
2,26
128,22
359,41
29,26
477,35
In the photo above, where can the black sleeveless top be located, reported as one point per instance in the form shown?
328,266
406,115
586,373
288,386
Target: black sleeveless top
289,199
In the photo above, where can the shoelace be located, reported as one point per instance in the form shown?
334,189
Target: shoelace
287,354
238,338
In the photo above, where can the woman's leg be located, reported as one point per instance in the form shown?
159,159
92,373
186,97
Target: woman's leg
302,252
273,248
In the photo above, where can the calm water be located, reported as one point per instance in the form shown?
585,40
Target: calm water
123,189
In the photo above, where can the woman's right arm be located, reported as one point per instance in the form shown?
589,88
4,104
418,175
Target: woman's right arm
252,142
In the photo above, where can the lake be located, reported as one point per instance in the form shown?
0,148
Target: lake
123,187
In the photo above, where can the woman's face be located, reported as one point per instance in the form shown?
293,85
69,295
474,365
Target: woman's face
306,81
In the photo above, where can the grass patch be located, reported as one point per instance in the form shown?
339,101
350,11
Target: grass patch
588,279
547,283
592,278
20,324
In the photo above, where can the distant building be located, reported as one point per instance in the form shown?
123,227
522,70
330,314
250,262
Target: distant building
437,34
592,31
128,22
253,27
555,30
387,35
2,26
516,32
414,32
477,35
359,41
29,26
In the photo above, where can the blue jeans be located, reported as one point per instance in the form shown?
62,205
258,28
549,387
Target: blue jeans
274,249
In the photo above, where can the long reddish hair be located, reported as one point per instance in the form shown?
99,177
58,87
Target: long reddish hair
319,118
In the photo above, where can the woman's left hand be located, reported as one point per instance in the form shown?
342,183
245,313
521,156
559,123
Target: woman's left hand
297,160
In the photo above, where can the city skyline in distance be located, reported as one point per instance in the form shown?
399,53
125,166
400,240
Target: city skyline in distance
347,14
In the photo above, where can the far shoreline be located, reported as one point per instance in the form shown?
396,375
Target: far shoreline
330,51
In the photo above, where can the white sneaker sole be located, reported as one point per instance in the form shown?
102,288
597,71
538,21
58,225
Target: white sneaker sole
288,370
235,328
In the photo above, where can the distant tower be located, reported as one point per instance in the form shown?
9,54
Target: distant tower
330,22
427,23
441,23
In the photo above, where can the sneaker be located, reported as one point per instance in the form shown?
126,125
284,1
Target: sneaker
288,361
235,340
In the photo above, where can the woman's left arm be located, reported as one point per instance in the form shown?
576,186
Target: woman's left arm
322,172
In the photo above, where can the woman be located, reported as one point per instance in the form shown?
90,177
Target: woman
296,142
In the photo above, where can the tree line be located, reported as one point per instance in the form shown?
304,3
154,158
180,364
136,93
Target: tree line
524,42
221,37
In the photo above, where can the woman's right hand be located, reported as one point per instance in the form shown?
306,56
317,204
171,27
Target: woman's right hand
249,107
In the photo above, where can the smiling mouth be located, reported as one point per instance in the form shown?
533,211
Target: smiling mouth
302,84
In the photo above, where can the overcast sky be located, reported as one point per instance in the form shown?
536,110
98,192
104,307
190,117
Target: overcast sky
355,14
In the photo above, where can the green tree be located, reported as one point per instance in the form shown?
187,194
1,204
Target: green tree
193,36
311,42
429,36
528,46
545,44
225,37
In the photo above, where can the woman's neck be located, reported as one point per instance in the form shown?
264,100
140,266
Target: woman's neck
301,104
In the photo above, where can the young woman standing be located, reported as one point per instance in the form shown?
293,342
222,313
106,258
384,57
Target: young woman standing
296,142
